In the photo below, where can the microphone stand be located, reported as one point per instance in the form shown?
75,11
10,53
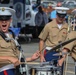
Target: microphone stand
60,67
23,68
60,49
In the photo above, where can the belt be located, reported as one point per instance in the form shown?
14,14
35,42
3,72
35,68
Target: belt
11,66
49,48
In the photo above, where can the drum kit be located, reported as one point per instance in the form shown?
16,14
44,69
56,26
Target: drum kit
45,68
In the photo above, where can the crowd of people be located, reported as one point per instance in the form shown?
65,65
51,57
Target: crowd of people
50,35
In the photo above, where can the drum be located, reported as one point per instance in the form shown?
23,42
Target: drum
45,70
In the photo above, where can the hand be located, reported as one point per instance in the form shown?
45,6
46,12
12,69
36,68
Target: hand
35,55
15,61
42,59
60,61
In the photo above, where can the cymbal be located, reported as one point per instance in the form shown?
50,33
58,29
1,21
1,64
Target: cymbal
61,44
57,54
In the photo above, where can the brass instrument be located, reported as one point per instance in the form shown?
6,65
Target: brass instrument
72,21
69,23
74,18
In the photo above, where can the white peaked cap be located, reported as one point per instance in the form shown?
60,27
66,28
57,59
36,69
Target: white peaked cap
6,11
61,10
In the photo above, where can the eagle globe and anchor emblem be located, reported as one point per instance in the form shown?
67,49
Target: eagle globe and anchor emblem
18,9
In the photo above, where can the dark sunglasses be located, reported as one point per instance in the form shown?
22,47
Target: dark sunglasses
5,18
61,15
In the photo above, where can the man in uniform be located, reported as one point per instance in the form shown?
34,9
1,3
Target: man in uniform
53,33
9,52
71,47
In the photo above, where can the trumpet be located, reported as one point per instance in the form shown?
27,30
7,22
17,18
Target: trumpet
72,21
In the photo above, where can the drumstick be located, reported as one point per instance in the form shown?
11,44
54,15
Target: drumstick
42,49
31,63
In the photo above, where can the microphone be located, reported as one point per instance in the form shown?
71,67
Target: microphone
22,67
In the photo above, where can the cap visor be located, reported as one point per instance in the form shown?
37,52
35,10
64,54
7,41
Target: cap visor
5,17
61,15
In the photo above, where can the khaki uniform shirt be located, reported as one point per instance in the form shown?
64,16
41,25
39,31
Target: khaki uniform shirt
7,49
72,46
52,35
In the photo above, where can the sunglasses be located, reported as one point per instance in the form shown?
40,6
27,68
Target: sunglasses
61,15
5,18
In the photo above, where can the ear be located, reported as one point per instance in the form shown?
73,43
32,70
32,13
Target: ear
10,19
